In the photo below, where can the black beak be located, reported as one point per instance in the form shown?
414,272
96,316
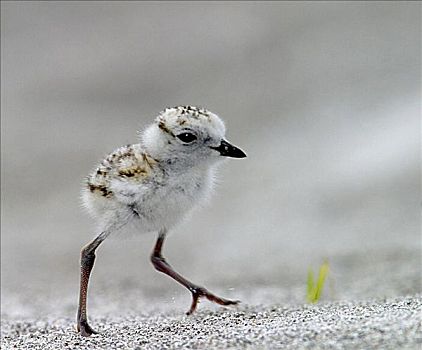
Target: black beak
228,150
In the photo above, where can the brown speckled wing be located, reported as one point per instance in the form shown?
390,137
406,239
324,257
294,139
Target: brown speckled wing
128,163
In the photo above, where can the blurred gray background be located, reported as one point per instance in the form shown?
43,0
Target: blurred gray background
324,97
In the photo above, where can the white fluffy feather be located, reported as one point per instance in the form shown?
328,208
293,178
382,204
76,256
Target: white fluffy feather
153,185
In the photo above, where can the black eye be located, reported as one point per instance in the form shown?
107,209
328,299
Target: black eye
186,137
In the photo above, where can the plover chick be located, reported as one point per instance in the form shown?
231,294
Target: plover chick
153,185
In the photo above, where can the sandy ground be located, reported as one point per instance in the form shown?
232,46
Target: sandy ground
363,306
387,323
149,313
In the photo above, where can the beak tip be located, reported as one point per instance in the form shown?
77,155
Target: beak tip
228,150
237,153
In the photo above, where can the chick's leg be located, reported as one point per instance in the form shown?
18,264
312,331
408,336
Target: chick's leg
87,263
161,265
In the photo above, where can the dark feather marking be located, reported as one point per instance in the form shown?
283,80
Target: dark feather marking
135,212
163,127
100,188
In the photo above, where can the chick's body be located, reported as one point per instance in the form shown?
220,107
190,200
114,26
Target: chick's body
131,186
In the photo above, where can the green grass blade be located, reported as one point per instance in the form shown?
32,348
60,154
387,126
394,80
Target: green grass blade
314,289
323,272
310,288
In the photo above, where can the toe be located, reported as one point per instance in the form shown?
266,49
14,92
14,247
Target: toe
85,329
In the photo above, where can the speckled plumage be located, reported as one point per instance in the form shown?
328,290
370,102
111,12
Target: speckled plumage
155,191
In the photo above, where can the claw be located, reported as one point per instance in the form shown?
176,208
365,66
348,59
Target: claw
199,292
85,329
